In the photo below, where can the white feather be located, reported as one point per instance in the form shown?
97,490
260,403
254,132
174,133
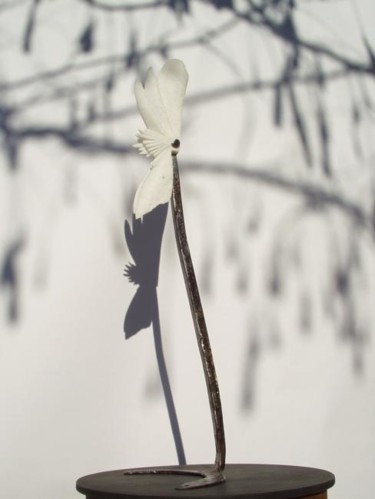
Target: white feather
156,187
173,81
151,143
150,105
160,103
160,100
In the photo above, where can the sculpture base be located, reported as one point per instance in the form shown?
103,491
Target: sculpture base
243,481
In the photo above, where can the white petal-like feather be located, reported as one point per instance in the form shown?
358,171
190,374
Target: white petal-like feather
160,103
173,79
150,105
152,143
160,100
156,187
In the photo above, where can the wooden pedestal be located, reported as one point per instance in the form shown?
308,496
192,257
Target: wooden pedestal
243,481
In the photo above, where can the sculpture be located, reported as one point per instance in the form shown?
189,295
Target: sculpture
160,103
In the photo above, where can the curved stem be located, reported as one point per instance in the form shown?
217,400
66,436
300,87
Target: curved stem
198,319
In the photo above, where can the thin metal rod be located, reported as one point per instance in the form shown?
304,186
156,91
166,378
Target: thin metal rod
198,319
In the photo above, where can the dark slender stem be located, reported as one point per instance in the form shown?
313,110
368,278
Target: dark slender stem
198,319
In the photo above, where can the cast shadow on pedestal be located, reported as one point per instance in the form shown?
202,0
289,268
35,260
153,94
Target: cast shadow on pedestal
144,244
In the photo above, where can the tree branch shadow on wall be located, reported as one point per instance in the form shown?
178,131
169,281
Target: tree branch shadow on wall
91,100
9,277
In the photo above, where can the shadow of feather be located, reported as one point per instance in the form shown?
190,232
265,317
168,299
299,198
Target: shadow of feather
144,244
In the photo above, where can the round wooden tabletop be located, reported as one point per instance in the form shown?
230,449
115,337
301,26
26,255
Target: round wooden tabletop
243,481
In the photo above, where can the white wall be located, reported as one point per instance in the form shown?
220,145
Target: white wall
75,398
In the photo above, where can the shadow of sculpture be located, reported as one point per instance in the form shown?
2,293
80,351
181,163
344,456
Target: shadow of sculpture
144,244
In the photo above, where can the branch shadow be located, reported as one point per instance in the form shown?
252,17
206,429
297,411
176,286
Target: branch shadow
144,244
9,277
